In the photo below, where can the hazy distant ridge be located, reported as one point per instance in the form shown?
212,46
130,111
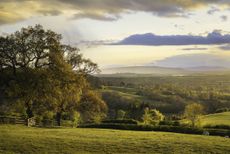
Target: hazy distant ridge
156,70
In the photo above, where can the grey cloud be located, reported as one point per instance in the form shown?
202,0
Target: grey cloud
225,47
181,27
108,10
195,48
167,8
213,10
224,18
214,37
50,12
89,44
96,16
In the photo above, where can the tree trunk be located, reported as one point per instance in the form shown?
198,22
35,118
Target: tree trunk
29,111
58,118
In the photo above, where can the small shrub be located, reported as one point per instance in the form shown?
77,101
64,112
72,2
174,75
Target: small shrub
97,118
152,116
217,126
67,123
121,114
75,118
47,118
169,123
38,120
220,110
219,132
163,128
176,123
124,121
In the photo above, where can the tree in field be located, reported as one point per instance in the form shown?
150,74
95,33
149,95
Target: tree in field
92,107
193,112
41,73
152,116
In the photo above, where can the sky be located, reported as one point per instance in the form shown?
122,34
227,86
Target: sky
167,33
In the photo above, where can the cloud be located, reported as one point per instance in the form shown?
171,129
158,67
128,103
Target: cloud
213,10
96,16
95,43
194,60
214,37
225,47
195,48
179,26
50,12
6,18
13,11
108,10
224,18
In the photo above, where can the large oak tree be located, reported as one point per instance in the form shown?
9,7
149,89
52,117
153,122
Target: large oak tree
40,72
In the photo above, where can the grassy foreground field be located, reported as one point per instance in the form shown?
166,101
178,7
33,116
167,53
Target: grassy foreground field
216,119
20,139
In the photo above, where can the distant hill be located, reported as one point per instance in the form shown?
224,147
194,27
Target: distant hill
207,68
153,70
161,71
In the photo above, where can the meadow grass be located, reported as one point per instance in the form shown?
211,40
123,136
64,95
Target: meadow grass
21,139
123,89
124,94
216,119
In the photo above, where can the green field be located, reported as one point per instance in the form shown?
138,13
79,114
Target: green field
216,119
124,92
20,139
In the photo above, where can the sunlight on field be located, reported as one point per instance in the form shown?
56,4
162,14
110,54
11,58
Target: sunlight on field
20,139
216,119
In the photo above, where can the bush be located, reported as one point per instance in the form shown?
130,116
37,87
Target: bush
98,117
38,120
176,123
75,118
217,126
176,117
152,116
47,123
163,128
169,123
121,114
219,132
222,110
47,119
124,121
67,123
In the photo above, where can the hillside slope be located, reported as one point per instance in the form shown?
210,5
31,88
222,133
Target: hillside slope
216,119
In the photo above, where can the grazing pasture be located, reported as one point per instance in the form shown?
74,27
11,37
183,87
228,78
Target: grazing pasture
21,139
216,119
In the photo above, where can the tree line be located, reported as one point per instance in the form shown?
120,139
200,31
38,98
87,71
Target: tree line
170,95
